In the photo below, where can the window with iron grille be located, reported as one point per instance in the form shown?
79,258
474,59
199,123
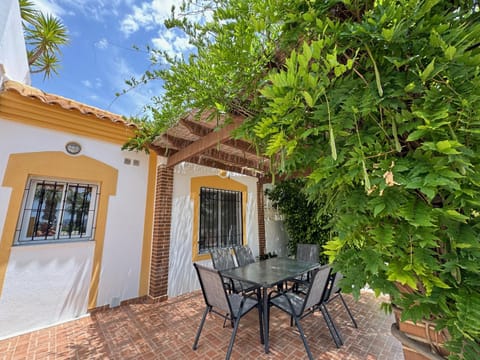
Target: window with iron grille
221,223
55,210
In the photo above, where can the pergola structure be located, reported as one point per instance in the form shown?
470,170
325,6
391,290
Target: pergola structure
210,143
196,140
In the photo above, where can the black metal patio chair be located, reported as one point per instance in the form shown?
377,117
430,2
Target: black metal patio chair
334,291
231,307
244,255
305,252
299,307
222,259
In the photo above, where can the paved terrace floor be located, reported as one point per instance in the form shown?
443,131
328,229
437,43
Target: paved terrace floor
167,330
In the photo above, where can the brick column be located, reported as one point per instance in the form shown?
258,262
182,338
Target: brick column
261,217
161,234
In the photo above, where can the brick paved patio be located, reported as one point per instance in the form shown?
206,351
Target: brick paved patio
166,331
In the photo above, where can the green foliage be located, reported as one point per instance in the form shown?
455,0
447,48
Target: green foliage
384,108
304,222
379,101
234,44
44,35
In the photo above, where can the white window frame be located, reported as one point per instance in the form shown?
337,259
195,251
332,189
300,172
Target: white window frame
29,214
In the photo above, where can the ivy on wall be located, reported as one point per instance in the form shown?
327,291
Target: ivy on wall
304,222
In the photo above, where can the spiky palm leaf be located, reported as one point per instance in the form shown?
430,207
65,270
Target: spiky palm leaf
44,34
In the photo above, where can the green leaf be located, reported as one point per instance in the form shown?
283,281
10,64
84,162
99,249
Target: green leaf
450,52
454,214
378,209
308,98
439,283
339,70
410,87
447,147
417,134
398,147
428,70
350,63
377,73
388,34
307,52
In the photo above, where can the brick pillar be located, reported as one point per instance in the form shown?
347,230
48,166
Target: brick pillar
161,234
261,217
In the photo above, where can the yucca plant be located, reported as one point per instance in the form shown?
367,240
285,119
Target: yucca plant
44,35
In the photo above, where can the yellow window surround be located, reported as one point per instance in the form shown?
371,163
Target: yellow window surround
214,182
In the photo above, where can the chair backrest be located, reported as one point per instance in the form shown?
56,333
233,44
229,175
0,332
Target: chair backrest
333,286
212,288
222,259
318,286
307,252
244,255
336,282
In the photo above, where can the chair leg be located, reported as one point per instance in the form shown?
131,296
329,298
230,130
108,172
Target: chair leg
348,311
331,326
260,316
195,343
232,338
225,320
302,335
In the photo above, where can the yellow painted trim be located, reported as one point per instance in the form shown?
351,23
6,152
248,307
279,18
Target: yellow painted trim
21,166
215,182
25,110
148,225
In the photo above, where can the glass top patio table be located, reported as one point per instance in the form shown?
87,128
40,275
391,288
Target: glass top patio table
268,273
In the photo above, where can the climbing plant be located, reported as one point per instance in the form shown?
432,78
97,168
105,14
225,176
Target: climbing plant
377,104
304,221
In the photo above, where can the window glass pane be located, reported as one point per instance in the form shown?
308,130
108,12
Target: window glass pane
220,219
45,210
76,210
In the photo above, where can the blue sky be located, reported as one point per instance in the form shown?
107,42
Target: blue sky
100,55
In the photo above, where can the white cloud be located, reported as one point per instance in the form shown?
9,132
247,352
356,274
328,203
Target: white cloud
96,9
96,84
132,102
49,7
171,43
102,43
148,15
129,25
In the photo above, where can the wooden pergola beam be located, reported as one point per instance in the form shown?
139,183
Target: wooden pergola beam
205,161
241,145
233,159
195,127
210,140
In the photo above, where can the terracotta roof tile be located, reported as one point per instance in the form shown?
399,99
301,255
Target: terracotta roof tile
65,103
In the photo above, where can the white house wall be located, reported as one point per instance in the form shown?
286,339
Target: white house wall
45,287
275,232
181,277
13,55
48,283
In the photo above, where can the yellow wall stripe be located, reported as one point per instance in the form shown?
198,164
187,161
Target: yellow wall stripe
148,225
21,109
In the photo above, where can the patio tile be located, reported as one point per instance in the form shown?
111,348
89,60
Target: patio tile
167,330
